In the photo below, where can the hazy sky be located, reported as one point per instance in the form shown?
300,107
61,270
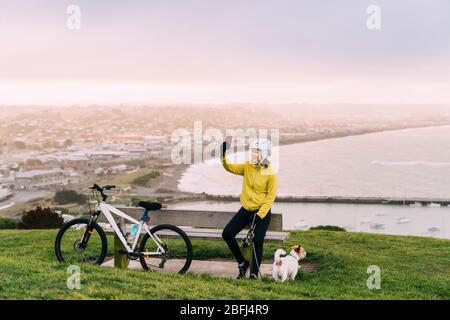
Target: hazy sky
224,51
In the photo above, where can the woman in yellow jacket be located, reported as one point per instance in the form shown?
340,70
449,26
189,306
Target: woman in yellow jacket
258,194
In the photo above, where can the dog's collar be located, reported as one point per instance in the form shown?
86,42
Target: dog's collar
296,258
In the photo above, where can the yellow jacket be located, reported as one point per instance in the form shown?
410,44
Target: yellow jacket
259,188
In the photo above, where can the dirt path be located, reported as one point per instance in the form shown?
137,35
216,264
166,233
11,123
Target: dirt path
219,268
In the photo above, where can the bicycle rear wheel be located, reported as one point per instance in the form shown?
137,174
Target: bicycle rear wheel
70,248
177,246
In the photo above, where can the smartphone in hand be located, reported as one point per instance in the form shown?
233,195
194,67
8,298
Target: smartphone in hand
228,140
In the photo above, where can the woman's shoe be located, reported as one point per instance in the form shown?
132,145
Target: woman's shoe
243,267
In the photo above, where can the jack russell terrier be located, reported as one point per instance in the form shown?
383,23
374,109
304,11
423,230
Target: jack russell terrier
286,268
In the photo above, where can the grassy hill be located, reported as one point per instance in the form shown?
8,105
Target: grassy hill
411,268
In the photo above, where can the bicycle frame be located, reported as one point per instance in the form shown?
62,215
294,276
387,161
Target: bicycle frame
108,210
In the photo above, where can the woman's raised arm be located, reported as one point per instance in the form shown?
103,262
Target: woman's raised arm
233,168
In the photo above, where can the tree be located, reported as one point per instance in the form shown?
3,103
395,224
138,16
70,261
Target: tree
40,218
145,179
7,223
20,144
68,143
69,196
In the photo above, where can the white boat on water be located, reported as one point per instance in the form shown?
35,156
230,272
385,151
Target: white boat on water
434,205
381,214
377,226
415,204
403,220
301,224
365,220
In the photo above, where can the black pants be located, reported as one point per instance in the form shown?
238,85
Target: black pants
239,221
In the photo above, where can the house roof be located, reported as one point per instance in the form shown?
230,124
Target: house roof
36,173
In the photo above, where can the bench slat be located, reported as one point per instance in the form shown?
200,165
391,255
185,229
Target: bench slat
217,234
195,218
214,234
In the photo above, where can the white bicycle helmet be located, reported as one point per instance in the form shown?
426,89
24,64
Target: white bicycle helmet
265,147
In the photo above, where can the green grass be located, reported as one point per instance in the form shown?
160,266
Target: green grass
411,268
144,180
125,178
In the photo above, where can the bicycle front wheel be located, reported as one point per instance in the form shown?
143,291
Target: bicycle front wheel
176,255
79,242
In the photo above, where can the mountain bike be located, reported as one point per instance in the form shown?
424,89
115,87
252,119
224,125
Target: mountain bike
164,246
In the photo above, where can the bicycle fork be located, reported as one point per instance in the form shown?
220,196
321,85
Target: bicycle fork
88,231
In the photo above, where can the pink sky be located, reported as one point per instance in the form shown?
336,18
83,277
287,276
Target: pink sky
199,51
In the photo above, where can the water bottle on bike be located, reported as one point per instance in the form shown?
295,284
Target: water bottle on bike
133,232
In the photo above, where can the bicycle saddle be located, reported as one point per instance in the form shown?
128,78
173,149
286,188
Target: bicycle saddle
147,205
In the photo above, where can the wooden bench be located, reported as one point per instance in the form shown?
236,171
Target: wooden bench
202,224
198,224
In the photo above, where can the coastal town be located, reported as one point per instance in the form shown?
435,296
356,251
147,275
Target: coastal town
46,149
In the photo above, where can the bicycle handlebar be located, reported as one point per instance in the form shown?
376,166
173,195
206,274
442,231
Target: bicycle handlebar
102,188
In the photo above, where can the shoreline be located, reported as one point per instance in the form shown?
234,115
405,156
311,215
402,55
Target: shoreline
364,132
166,190
177,172
415,202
